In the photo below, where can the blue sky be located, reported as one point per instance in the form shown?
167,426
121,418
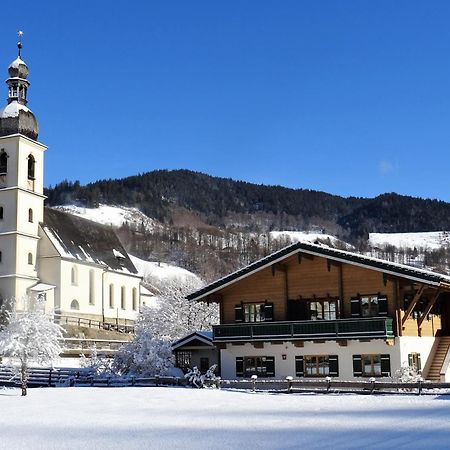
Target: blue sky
348,97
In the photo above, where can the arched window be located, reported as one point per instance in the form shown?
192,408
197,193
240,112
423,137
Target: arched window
31,164
111,296
0,256
74,275
30,215
30,258
75,305
123,297
134,299
3,163
1,212
91,287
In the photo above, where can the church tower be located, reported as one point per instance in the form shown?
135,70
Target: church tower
21,187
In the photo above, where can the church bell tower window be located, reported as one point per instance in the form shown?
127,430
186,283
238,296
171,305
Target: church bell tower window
31,164
3,163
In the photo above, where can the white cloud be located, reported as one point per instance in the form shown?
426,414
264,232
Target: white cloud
385,167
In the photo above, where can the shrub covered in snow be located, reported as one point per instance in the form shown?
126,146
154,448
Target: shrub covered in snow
196,379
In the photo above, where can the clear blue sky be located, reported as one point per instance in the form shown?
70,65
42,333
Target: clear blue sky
349,97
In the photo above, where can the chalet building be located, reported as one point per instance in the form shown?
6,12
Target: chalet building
75,266
312,311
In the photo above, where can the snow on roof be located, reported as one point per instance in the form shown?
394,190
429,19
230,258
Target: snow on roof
41,287
84,240
203,336
16,63
12,110
117,254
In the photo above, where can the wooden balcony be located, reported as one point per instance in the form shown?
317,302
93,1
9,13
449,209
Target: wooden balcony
367,328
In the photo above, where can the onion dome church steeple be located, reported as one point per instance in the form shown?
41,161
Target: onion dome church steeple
15,117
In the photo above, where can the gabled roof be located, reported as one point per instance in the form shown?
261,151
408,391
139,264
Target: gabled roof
391,268
83,240
205,337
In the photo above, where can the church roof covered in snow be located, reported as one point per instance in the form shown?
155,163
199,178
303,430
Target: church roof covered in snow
84,240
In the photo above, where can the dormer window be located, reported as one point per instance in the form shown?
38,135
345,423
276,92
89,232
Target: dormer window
31,164
3,162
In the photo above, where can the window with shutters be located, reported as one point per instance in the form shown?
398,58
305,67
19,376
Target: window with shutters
322,309
316,366
263,366
253,312
414,362
371,365
369,306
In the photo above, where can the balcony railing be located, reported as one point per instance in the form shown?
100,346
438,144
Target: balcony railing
369,328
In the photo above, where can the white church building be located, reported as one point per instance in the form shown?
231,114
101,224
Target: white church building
77,267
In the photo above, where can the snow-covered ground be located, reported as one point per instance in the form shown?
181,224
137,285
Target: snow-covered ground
157,274
110,215
175,418
427,240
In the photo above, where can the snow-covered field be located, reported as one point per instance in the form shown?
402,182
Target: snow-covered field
427,240
110,215
175,418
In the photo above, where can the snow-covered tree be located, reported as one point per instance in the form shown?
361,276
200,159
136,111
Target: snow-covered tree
97,364
144,355
174,316
27,337
157,327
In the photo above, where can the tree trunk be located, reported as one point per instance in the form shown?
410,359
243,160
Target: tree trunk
23,379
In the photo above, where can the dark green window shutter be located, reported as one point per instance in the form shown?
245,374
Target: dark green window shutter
238,313
385,365
382,306
334,365
299,368
239,367
357,366
270,366
355,307
419,363
410,360
268,311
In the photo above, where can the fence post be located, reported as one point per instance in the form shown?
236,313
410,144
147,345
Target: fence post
420,385
328,384
289,384
254,378
372,387
157,380
133,381
50,378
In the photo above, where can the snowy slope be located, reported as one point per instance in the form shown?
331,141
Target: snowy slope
158,274
427,240
110,215
179,418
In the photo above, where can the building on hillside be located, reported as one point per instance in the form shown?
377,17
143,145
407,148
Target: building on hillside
195,350
78,267
312,311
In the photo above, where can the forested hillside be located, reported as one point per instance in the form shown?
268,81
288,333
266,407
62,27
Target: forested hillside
183,198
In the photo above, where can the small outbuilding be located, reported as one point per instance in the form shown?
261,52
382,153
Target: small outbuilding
195,349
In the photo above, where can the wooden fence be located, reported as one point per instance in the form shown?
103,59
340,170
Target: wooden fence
91,323
49,377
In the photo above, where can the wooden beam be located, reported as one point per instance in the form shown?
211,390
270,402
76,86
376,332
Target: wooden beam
341,291
279,267
413,304
398,317
428,308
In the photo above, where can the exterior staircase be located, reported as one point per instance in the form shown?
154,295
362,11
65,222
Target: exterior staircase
434,372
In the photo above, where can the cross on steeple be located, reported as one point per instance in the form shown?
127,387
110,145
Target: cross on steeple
19,44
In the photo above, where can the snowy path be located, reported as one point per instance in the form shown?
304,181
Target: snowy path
169,418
